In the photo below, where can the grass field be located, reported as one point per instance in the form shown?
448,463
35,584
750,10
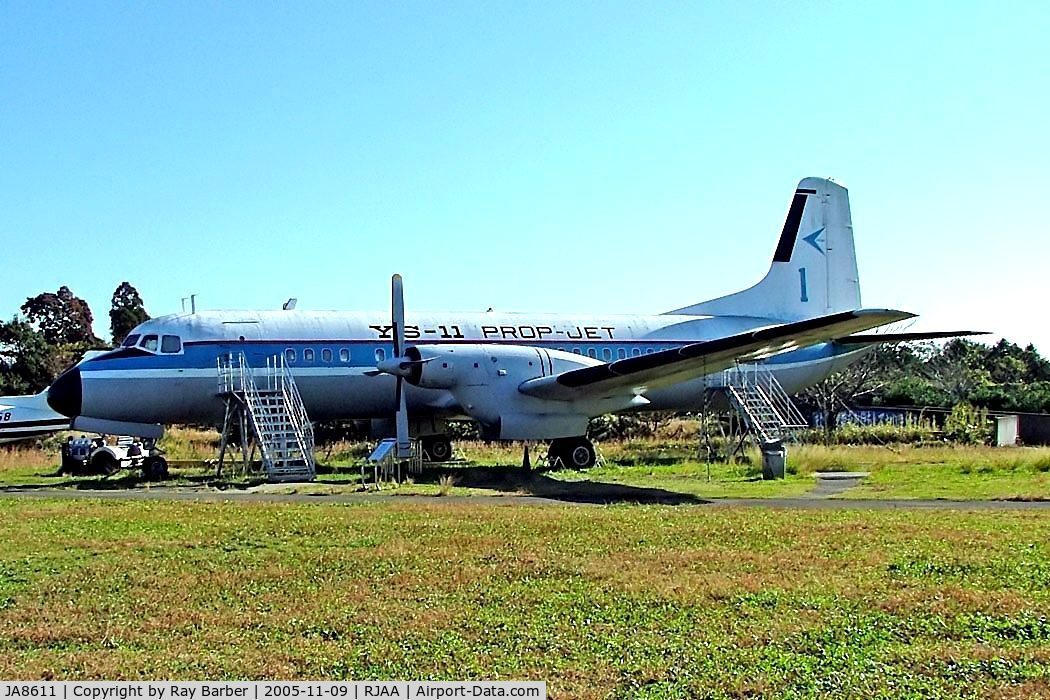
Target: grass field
628,601
671,466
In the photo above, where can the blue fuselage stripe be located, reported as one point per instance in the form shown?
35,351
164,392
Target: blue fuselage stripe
363,353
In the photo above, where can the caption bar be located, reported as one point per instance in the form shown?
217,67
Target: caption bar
267,690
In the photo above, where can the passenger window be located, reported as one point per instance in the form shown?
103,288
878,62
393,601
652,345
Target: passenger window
130,341
149,342
380,354
592,353
621,353
289,356
648,351
606,354
170,343
576,351
308,355
344,355
636,352
326,355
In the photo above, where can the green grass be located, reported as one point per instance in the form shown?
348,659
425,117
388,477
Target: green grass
625,602
954,482
901,471
944,471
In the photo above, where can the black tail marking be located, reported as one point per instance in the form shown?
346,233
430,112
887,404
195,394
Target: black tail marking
791,224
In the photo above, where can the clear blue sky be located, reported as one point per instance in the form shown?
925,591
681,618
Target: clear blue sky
590,157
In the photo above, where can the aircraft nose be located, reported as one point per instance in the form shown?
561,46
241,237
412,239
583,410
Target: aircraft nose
66,395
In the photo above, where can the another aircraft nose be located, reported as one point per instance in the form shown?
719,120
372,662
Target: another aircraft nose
66,395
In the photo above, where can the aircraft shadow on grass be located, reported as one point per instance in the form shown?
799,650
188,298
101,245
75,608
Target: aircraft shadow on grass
121,481
509,480
533,483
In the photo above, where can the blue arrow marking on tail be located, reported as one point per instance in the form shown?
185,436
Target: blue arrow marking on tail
812,239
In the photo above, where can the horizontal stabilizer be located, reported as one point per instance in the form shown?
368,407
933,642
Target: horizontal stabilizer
639,374
875,338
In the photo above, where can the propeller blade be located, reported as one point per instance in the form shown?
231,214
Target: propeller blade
372,373
397,314
404,442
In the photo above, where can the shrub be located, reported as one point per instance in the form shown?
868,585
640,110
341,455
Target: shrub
967,425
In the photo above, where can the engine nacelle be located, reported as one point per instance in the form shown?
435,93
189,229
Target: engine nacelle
455,366
484,379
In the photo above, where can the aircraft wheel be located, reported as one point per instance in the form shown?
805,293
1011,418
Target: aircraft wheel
439,448
104,463
574,453
155,469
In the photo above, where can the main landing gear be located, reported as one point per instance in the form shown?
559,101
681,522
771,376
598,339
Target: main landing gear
437,448
574,453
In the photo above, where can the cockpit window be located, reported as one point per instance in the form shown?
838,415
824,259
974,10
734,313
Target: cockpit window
170,343
130,341
149,342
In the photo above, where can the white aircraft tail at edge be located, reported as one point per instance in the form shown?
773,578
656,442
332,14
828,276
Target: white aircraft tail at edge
28,416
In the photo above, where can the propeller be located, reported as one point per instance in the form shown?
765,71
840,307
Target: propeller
400,366
397,320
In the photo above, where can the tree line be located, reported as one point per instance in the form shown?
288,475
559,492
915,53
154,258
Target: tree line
961,372
54,330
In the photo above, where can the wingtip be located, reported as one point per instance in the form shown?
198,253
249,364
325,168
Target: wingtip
892,314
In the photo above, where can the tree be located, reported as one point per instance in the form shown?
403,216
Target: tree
843,389
27,362
125,312
61,317
960,370
908,380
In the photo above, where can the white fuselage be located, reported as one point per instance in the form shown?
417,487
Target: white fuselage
173,376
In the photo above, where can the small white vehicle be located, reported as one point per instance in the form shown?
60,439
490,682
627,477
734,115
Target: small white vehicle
93,456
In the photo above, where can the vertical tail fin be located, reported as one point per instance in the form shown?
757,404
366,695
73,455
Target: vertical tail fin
814,269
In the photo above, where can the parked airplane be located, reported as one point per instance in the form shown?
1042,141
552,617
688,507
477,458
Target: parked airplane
24,417
520,376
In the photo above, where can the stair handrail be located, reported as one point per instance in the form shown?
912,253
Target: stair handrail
293,401
780,399
238,378
753,386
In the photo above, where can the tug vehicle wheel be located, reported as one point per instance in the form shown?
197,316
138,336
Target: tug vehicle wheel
155,468
104,463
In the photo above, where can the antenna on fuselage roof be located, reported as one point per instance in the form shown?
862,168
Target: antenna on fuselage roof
290,304
193,303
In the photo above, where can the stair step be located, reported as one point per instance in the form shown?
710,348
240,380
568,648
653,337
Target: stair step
279,421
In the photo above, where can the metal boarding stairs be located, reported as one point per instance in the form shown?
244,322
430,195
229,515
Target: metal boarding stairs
761,401
273,410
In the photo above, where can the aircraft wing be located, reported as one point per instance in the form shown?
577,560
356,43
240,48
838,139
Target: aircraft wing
638,374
